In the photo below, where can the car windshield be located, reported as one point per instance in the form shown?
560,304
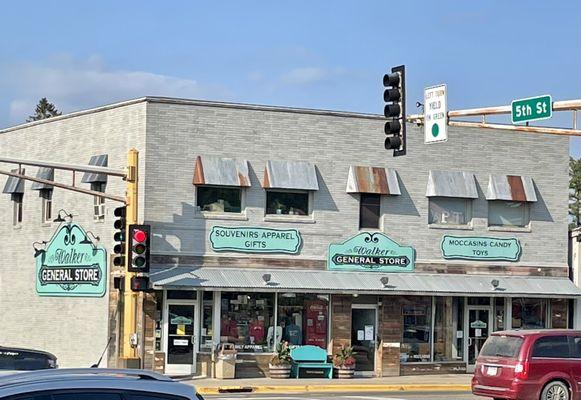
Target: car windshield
18,360
502,346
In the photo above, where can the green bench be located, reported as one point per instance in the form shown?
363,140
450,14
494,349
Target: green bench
310,357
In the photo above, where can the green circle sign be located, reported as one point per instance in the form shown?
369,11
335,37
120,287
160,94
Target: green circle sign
435,130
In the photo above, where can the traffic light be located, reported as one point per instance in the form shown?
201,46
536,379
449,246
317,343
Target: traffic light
139,246
119,236
394,110
140,283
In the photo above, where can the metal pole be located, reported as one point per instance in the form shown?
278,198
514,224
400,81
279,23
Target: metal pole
129,296
68,167
518,128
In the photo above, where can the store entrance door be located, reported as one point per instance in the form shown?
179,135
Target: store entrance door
477,327
363,337
180,323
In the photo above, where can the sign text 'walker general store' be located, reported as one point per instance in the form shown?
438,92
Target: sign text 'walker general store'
255,240
480,248
371,251
71,265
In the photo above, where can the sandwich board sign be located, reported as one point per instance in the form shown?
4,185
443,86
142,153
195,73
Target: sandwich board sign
435,114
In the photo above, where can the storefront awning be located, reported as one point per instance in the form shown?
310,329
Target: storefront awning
372,180
97,161
46,174
14,185
308,281
511,188
299,175
451,184
221,171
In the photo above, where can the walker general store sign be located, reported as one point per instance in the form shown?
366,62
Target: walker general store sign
71,265
481,248
255,240
371,251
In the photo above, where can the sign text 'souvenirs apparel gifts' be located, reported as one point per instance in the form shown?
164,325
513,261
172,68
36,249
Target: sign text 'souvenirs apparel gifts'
255,240
71,265
371,251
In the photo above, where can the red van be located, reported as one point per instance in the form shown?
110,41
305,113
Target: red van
530,364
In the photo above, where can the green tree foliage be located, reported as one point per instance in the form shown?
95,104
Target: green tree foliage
44,109
575,192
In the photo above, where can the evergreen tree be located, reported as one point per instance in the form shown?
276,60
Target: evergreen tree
575,192
44,110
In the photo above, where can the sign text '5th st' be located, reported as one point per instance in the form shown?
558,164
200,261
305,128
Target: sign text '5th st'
532,109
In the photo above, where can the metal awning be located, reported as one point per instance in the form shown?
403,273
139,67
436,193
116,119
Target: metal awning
372,180
46,174
290,175
451,184
309,281
511,188
97,161
221,171
13,184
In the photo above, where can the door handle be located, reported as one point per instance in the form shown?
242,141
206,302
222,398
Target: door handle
469,341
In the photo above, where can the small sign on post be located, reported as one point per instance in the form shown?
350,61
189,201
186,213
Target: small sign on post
531,109
435,114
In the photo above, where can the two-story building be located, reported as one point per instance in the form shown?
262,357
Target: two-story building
276,224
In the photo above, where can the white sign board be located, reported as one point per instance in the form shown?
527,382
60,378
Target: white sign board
435,114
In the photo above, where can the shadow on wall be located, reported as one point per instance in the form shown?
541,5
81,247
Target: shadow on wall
480,204
400,205
539,210
324,199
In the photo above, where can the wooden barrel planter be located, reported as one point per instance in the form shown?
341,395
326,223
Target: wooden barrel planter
279,371
345,373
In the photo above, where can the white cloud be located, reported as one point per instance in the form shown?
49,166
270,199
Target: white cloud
78,84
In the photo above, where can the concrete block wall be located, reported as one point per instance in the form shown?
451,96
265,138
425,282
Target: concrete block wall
75,329
178,133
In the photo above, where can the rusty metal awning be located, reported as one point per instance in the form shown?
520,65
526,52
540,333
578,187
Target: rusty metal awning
372,180
13,184
451,184
46,174
511,188
97,161
221,171
299,175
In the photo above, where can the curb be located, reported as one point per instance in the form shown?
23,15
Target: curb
343,388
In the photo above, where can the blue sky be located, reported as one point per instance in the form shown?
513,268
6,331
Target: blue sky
316,54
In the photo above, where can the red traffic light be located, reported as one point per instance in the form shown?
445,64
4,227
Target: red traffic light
139,236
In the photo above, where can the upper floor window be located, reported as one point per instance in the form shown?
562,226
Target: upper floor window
450,211
287,202
219,199
46,196
98,201
17,200
508,213
369,211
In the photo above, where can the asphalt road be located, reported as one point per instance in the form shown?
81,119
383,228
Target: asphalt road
351,396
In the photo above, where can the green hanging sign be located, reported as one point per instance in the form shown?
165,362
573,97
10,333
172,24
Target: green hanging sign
71,265
371,251
481,248
255,240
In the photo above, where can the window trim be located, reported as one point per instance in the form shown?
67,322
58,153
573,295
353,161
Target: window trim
469,225
286,217
46,197
222,214
98,201
510,228
379,217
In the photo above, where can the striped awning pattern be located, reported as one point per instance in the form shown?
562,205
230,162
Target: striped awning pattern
14,185
221,171
97,161
372,180
299,175
451,184
511,188
46,174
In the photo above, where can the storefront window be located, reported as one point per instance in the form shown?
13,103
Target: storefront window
559,313
302,320
207,333
499,314
449,211
219,199
448,312
416,314
529,313
508,213
287,203
246,320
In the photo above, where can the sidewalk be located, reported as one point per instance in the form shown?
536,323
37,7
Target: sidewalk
430,383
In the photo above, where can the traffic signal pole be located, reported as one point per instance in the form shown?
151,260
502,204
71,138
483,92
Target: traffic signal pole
129,345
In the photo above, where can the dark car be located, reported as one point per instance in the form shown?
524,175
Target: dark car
530,364
15,360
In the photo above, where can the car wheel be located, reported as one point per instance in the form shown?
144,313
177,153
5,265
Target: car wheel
555,390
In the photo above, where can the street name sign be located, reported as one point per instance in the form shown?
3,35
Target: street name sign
435,114
531,109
